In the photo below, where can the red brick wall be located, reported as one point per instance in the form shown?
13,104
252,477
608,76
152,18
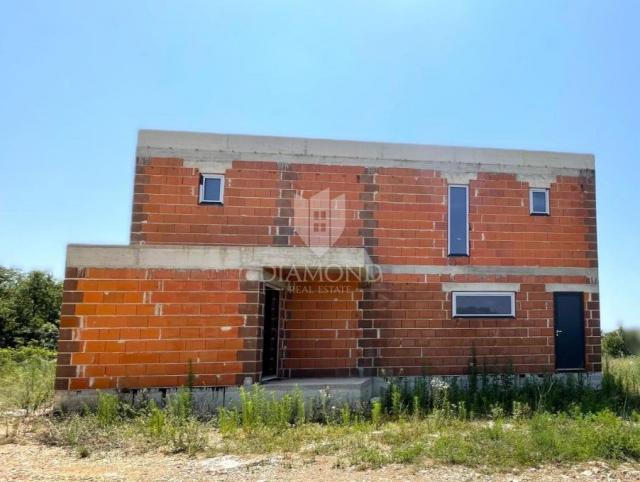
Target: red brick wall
408,328
411,216
340,180
166,209
400,215
126,328
132,328
321,329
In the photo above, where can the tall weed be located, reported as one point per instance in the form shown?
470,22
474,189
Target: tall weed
107,409
257,409
26,379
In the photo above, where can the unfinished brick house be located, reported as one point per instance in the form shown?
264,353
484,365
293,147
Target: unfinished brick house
253,258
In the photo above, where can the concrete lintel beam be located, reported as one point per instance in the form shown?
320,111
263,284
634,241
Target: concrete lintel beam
570,287
448,287
212,257
590,273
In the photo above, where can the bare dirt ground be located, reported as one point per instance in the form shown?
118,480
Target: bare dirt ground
32,461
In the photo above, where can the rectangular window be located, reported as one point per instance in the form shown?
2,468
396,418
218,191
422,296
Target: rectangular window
539,201
212,188
458,220
483,304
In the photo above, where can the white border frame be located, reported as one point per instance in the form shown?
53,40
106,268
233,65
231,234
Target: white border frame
546,196
454,305
204,177
466,187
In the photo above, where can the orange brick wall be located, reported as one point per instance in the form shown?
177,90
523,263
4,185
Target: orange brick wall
132,328
411,221
166,209
126,328
408,328
321,329
399,215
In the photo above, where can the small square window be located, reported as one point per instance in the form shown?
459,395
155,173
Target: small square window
539,201
212,188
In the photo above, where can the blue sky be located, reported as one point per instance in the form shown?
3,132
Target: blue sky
80,78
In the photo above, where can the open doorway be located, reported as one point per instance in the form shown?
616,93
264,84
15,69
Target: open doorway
270,333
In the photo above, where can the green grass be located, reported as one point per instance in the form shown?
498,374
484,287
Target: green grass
625,372
544,438
117,425
497,422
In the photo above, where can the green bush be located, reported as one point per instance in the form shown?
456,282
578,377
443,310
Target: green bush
26,379
10,356
620,343
613,344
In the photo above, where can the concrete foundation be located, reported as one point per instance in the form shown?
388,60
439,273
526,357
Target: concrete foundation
336,391
341,390
206,400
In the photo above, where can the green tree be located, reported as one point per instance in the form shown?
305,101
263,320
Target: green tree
613,344
29,308
621,343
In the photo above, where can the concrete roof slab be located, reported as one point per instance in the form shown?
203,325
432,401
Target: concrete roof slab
193,145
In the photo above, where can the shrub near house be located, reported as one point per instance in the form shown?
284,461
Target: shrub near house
621,342
29,319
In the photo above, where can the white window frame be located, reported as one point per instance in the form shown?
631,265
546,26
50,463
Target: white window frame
466,188
546,197
454,303
203,178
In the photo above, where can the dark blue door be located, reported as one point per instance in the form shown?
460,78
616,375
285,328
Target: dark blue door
569,324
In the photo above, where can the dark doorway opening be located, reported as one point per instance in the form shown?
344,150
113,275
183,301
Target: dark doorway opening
569,330
270,333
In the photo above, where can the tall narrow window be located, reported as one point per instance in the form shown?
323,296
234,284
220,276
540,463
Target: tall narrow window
458,221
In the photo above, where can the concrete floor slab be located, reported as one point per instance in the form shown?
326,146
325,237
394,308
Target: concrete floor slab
340,389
